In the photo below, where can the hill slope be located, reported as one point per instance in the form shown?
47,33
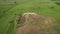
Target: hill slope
9,12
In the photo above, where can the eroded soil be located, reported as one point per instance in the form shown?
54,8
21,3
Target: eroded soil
36,24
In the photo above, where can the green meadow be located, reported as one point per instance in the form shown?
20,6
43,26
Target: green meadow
10,11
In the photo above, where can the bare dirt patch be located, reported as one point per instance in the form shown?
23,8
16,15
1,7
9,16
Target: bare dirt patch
36,24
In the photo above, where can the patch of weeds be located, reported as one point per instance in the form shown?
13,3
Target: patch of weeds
57,3
11,21
52,7
27,33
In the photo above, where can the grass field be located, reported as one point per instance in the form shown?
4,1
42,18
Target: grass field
9,12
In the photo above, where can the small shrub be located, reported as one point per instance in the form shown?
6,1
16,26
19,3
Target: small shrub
57,3
14,2
52,7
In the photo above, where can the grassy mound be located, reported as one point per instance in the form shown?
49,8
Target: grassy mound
36,24
9,12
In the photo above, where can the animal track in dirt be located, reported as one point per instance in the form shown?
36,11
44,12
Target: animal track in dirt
36,24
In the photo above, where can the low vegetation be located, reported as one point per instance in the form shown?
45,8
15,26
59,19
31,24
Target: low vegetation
11,10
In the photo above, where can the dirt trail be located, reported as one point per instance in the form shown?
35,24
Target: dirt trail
36,24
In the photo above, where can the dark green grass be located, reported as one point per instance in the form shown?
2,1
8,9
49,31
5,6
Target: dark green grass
9,13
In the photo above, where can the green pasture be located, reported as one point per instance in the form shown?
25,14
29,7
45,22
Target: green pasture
9,12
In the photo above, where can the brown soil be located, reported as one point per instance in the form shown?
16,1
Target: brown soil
36,24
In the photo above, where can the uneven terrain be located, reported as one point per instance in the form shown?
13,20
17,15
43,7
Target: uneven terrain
36,24
11,9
